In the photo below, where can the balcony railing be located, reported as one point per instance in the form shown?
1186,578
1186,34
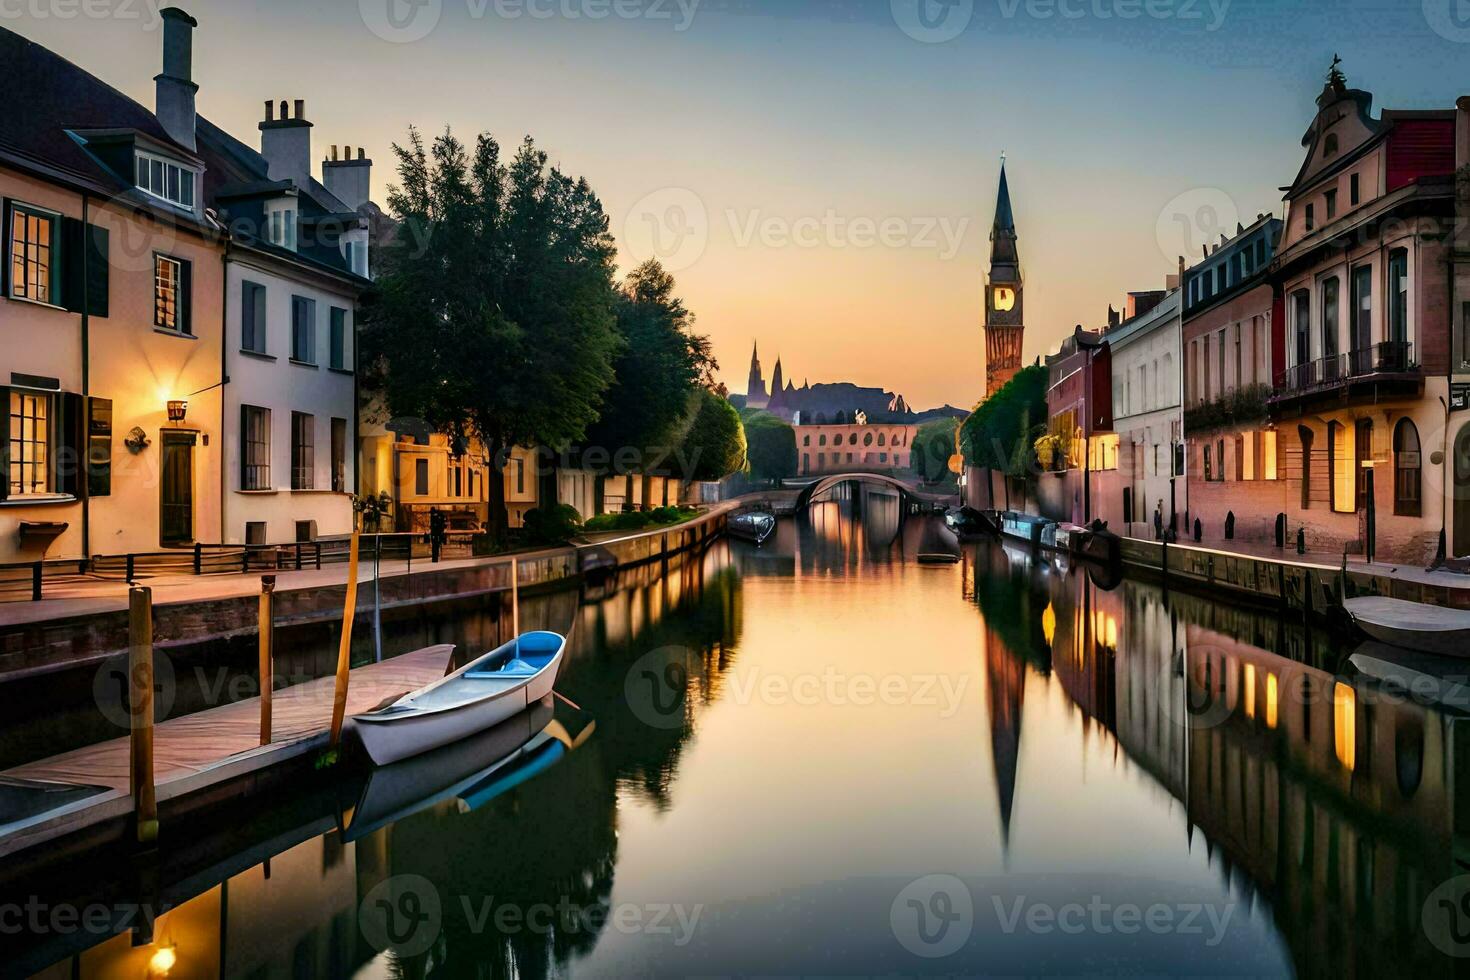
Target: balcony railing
1392,357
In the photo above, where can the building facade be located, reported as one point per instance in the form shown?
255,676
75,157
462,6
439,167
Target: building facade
110,326
1362,405
1080,445
1147,417
826,449
1232,457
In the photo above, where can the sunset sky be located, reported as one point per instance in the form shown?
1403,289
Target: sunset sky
819,178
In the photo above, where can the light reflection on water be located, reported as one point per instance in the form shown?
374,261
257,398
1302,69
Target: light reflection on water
822,757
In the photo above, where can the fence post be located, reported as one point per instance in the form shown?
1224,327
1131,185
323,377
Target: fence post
198,558
267,630
318,545
140,709
298,556
36,582
128,568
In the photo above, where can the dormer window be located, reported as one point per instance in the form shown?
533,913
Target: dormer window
166,180
355,254
1329,146
281,226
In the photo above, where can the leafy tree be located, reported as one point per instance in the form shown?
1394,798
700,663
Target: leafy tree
714,447
659,362
932,447
999,434
494,316
770,446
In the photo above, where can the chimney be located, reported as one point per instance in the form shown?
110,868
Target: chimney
350,178
174,87
286,143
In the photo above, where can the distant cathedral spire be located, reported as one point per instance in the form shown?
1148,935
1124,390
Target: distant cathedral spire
777,378
755,386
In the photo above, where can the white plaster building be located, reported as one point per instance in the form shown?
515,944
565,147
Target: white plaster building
1147,414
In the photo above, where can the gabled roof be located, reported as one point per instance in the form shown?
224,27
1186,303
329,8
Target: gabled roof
49,98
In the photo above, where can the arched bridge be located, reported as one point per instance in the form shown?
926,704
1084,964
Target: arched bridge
908,489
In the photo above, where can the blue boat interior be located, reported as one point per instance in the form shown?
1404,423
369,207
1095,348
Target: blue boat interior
525,657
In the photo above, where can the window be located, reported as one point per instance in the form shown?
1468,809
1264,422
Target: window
1354,190
29,469
33,266
165,180
1363,459
1311,217
806,440
1330,145
1302,322
337,340
1331,204
1206,341
1342,467
421,477
1362,324
1220,461
520,468
303,451
303,330
1209,471
1304,434
355,254
281,227
1260,252
1221,388
1268,468
255,532
252,317
1239,363
1330,296
339,455
171,294
255,454
1398,296
1406,470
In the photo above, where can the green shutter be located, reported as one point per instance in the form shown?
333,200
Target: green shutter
5,435
70,443
99,269
186,296
99,447
73,281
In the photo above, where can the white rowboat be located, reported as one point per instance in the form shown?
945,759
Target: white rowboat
481,694
1412,625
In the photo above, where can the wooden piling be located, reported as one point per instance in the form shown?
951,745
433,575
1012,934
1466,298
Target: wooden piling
515,605
267,631
140,709
344,649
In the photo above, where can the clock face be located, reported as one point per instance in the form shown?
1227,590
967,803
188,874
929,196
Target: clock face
1004,299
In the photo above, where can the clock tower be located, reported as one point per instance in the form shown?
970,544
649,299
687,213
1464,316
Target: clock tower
1004,323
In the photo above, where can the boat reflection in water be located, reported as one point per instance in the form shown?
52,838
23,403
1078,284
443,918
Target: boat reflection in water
1058,744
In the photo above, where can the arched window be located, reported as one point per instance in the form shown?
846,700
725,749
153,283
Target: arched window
882,439
1305,435
867,438
806,440
1342,469
896,439
1407,478
822,439
852,439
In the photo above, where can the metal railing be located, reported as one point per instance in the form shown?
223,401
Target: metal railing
1389,357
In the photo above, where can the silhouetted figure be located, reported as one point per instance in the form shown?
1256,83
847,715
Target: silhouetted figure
1159,521
438,527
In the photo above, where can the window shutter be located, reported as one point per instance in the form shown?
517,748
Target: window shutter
5,424
186,296
73,283
99,447
99,270
70,443
248,339
241,446
4,267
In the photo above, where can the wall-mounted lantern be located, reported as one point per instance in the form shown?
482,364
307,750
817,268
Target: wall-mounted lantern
177,409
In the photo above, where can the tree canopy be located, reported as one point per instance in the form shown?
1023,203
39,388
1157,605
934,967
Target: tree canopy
999,434
770,445
494,317
714,446
658,364
932,447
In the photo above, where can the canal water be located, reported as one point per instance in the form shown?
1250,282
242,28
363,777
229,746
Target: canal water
825,757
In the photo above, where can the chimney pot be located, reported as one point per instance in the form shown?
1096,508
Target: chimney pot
270,110
333,157
174,87
360,155
300,108
284,113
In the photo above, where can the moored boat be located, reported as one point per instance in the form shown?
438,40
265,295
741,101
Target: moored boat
481,694
753,526
1412,625
967,522
1033,530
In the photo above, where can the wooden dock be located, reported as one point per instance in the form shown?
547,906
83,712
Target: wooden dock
195,752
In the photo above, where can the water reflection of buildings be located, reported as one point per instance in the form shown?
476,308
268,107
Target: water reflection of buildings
1334,801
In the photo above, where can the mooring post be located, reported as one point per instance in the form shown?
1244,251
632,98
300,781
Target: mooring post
344,649
267,629
515,604
140,712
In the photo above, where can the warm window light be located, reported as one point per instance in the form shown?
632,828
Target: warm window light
162,962
1271,698
177,409
1344,725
